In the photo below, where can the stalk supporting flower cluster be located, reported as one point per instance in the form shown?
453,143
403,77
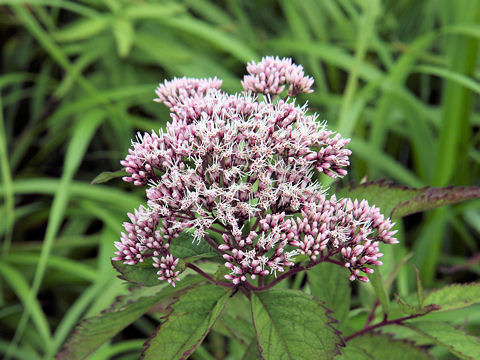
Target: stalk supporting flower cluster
238,172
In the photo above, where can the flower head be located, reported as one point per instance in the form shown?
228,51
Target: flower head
243,167
271,75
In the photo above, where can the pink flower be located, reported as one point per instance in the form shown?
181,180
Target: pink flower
271,75
176,91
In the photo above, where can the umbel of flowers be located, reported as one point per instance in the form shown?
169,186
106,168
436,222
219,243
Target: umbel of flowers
238,172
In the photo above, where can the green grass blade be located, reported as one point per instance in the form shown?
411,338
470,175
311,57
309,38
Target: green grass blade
81,137
448,74
366,28
20,286
7,184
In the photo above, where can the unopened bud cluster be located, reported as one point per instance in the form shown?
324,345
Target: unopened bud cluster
238,172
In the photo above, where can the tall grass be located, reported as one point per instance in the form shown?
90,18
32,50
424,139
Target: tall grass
77,78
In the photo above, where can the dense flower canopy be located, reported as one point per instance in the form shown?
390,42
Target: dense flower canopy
238,171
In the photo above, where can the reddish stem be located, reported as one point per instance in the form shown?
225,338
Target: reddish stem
385,322
276,281
371,316
213,244
208,277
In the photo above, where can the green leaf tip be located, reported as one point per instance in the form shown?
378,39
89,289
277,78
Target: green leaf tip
107,176
143,273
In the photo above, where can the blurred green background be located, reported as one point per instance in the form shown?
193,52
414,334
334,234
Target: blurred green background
77,80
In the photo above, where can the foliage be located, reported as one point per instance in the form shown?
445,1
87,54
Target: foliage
76,81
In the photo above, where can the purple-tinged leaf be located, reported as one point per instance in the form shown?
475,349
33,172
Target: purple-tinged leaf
399,201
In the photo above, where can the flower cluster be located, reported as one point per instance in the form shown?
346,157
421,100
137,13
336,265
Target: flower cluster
270,76
238,173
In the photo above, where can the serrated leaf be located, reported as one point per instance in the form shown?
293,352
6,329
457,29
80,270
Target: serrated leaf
407,308
142,273
124,32
184,247
290,324
352,352
399,201
454,296
458,342
329,283
189,321
82,29
91,333
252,352
383,346
107,176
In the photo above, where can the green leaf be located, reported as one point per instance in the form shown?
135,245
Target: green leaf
352,352
153,11
236,320
399,201
142,273
218,38
448,74
124,32
377,282
454,296
290,324
252,352
329,283
107,176
91,333
458,342
82,29
189,321
184,247
382,346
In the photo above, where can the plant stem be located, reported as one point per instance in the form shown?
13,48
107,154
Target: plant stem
371,316
213,244
386,322
208,277
276,281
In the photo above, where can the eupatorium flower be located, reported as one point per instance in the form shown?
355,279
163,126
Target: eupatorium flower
238,172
